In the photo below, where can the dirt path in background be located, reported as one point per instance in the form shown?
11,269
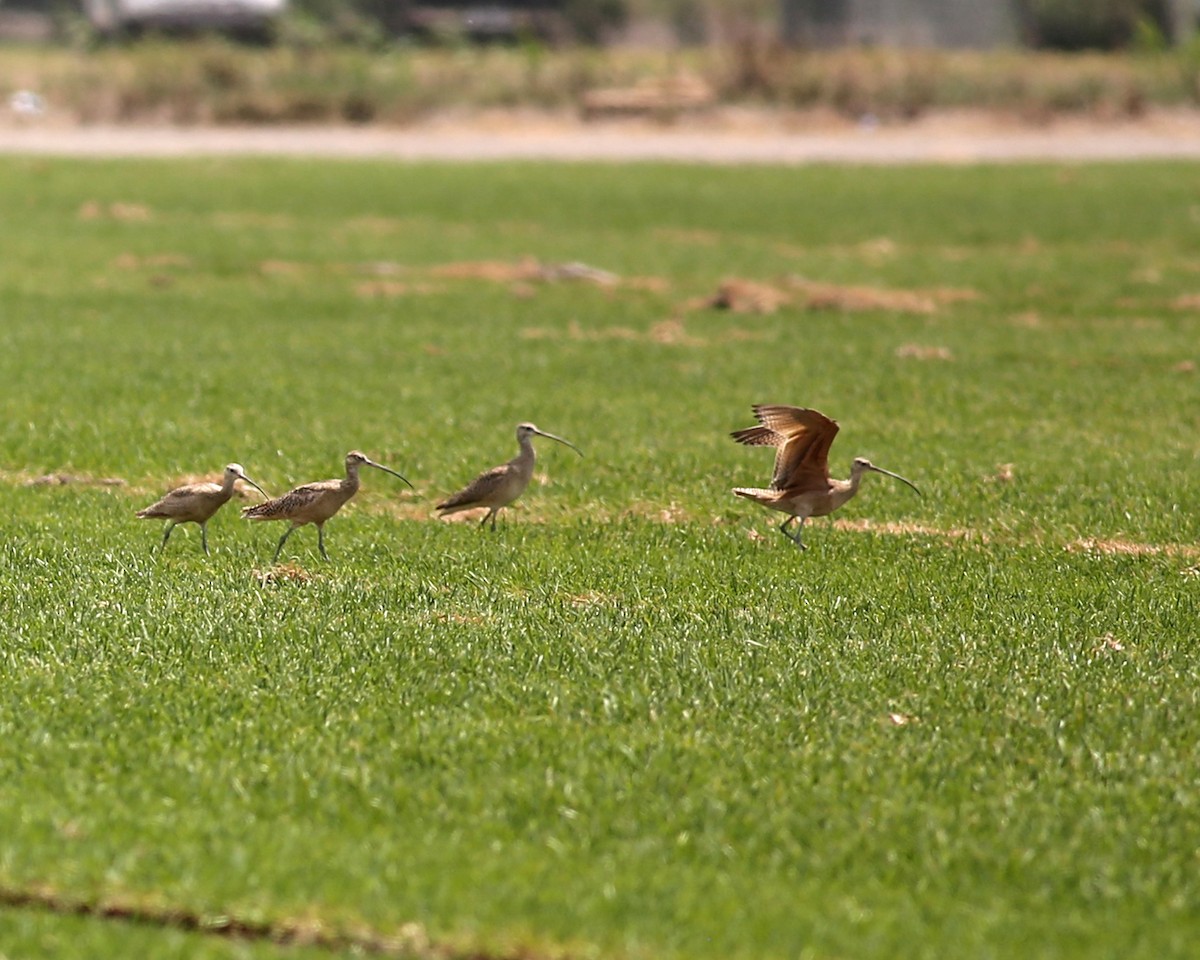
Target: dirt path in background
725,138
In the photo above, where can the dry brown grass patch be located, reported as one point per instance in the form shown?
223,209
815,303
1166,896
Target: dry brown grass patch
1005,473
814,295
701,238
1109,643
901,529
1130,548
524,272
740,295
879,248
670,332
72,479
747,296
495,271
917,351
240,220
671,513
673,333
122,212
284,573
592,598
282,268
901,719
392,289
155,261
465,619
409,940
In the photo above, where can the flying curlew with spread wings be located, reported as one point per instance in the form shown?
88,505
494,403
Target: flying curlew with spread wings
801,486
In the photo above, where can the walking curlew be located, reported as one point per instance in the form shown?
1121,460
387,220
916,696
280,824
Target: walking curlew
501,485
315,502
196,503
801,486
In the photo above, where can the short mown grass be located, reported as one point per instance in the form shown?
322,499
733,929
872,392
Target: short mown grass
634,721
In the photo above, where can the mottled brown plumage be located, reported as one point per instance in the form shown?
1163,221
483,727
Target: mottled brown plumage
500,486
315,502
196,503
801,486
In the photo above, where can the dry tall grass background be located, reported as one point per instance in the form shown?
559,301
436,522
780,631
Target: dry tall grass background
214,82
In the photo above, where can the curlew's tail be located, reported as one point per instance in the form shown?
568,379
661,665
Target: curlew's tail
757,495
454,505
268,510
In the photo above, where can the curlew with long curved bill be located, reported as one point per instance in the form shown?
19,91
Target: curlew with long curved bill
196,503
315,502
801,486
500,486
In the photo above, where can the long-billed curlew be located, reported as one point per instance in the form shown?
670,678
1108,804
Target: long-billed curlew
801,486
315,502
501,485
196,503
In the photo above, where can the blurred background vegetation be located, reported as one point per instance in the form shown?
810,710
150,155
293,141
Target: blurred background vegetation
1045,24
397,61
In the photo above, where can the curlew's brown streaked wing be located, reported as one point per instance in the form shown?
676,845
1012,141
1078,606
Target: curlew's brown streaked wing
802,437
290,503
478,490
197,501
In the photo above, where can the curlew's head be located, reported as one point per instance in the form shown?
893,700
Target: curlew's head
356,458
527,430
861,465
234,471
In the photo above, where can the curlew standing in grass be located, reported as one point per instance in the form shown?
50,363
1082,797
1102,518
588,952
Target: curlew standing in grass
801,486
196,503
501,485
315,502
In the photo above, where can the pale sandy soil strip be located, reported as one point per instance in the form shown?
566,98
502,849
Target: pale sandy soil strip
613,144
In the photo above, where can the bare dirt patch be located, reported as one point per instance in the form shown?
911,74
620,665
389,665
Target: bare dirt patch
123,212
724,136
409,940
740,295
284,573
393,289
672,332
154,261
918,351
524,269
897,529
72,479
1130,548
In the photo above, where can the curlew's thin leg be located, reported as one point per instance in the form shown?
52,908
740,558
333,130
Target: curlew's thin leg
166,535
494,512
282,541
321,541
204,538
796,538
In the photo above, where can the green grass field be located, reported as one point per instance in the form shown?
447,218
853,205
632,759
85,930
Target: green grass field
634,722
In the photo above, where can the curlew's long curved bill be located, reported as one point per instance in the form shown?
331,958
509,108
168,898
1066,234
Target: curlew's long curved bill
380,466
242,476
896,476
567,443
